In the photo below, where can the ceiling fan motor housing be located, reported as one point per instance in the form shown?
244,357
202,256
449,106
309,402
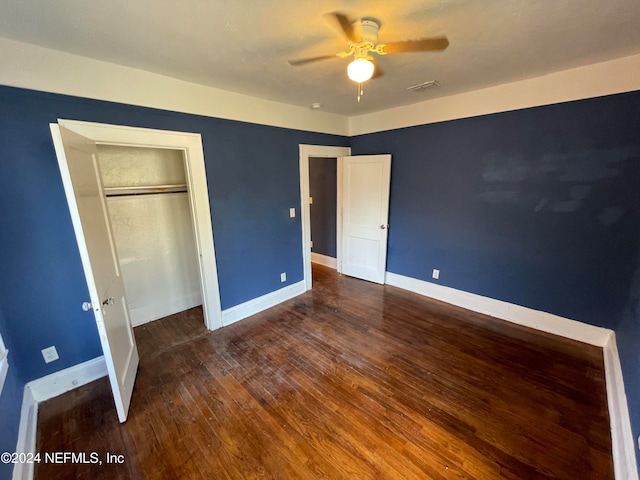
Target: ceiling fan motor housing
369,28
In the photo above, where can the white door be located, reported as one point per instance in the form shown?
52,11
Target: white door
365,215
83,187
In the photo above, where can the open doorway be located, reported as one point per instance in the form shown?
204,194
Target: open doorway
362,211
331,154
323,198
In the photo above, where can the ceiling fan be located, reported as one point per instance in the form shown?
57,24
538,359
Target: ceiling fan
362,37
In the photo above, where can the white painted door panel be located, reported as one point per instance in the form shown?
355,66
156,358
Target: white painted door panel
365,213
77,160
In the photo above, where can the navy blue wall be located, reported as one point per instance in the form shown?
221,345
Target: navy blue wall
253,178
10,404
323,188
537,207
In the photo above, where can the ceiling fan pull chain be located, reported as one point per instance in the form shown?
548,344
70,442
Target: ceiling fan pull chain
360,91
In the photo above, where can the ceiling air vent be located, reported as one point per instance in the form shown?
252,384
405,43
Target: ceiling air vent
423,86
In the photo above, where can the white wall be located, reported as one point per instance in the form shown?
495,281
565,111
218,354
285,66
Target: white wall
605,78
37,68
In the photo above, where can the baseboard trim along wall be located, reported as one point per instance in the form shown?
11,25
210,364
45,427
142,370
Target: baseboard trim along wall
505,311
257,305
65,380
623,446
42,389
26,434
163,309
624,458
324,260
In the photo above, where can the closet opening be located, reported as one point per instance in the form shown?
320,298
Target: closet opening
149,208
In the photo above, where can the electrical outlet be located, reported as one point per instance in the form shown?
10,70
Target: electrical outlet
50,354
292,213
283,277
436,273
311,242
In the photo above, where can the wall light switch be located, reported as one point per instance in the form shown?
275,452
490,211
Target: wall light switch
292,213
283,277
310,200
436,273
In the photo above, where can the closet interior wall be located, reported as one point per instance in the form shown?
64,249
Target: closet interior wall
150,215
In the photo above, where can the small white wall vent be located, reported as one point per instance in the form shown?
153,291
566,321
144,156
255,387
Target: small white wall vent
423,86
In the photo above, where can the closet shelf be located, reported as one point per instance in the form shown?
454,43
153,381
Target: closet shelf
144,189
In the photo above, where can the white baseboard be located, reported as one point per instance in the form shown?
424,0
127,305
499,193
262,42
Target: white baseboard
4,365
43,389
324,260
528,317
65,380
624,450
158,310
26,434
257,305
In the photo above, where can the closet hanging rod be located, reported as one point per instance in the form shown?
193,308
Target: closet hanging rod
144,190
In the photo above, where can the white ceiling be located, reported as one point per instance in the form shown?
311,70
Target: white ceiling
243,45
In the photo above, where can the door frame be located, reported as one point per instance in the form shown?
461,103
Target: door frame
191,146
319,151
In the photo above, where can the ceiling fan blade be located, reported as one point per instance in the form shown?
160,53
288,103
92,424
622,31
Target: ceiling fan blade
421,45
345,25
304,61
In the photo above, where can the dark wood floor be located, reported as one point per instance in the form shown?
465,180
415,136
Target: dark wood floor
349,381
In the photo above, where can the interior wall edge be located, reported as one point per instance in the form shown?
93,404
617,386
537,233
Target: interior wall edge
43,69
599,79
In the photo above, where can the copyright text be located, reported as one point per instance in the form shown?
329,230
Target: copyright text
92,458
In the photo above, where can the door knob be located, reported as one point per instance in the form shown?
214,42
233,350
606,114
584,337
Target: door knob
382,227
86,306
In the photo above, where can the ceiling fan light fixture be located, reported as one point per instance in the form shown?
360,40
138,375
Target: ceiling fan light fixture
360,70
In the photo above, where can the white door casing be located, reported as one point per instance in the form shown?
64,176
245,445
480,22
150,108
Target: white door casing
365,216
77,159
319,151
191,145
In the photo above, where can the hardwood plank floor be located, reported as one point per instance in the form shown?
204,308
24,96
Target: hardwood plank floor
351,380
